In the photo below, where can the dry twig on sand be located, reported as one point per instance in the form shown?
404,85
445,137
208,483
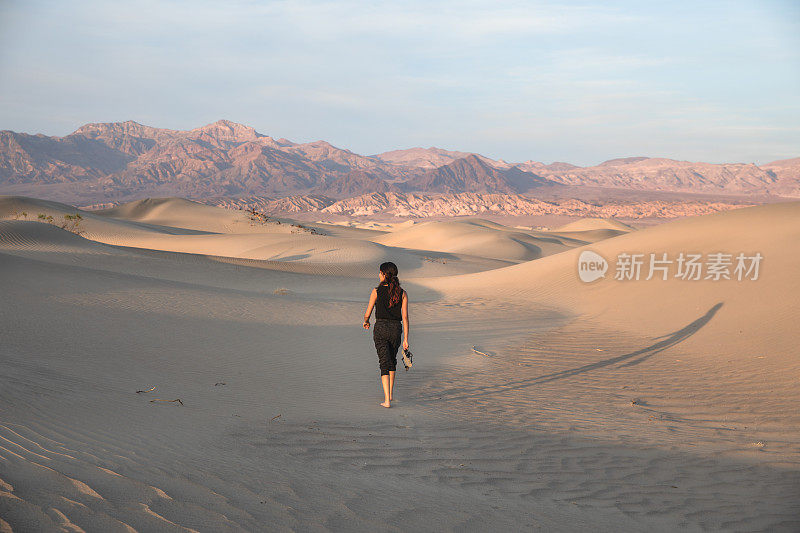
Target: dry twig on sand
477,351
160,400
274,417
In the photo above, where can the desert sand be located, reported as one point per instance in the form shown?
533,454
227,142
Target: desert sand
536,401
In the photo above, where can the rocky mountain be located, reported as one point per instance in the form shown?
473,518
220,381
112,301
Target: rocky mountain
37,159
432,158
337,158
265,204
788,173
416,205
109,162
473,174
126,159
425,158
355,182
643,173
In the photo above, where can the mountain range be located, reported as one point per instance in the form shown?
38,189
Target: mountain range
125,160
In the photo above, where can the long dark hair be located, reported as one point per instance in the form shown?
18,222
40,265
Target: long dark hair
389,270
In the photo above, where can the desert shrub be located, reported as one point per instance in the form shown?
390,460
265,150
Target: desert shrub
257,216
70,223
262,218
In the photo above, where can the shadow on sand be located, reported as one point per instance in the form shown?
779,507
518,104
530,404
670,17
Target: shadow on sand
628,359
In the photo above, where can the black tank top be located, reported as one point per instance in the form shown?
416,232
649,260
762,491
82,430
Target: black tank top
382,309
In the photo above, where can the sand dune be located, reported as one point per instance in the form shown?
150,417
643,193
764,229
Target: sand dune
589,224
21,235
771,230
185,214
589,230
478,237
536,401
723,341
142,225
92,226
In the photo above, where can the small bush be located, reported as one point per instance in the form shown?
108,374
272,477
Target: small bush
70,223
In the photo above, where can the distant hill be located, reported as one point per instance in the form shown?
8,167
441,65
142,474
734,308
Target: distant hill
354,183
473,174
421,157
668,175
788,173
423,205
118,161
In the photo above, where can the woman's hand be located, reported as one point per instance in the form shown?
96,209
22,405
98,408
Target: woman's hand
373,297
405,344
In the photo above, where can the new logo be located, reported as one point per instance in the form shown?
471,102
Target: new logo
591,266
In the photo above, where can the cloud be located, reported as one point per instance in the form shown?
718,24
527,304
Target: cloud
463,19
583,59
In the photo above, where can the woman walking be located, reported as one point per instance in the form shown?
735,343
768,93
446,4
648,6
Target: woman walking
391,320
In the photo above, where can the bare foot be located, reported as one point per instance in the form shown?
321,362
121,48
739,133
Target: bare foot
386,404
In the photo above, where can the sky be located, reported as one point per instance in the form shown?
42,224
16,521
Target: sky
580,82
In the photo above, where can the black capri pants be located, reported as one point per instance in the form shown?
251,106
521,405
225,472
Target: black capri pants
387,335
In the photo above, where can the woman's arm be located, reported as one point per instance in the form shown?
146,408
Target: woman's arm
372,298
404,311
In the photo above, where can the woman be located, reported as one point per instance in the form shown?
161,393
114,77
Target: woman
391,310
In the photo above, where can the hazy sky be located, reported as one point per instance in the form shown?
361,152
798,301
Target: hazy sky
549,81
